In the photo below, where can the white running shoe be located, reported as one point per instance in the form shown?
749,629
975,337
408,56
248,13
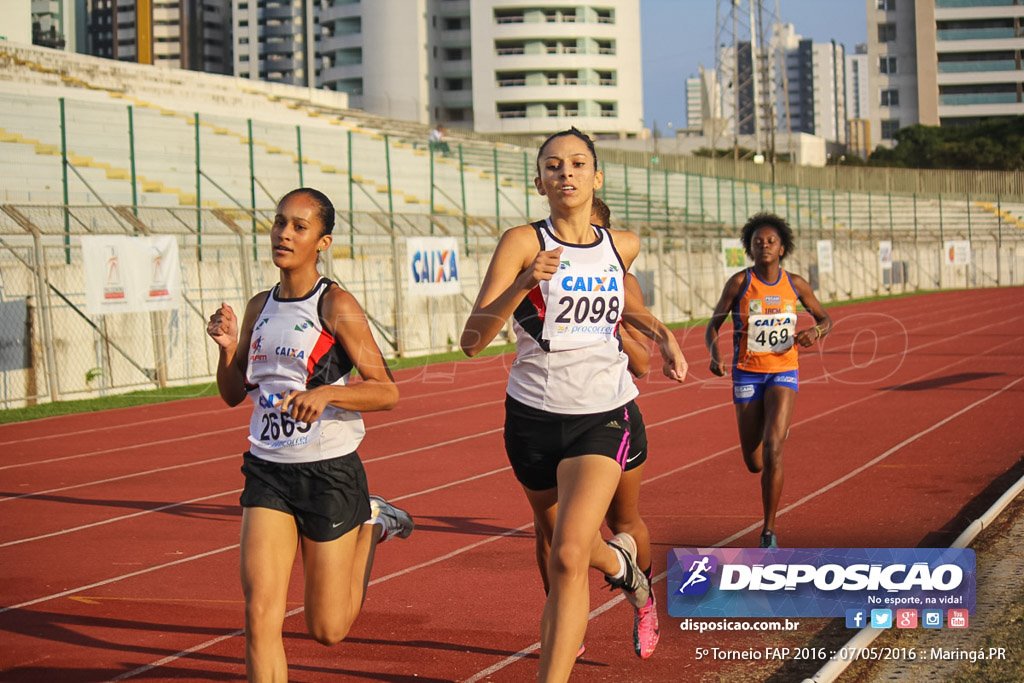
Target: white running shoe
633,583
397,522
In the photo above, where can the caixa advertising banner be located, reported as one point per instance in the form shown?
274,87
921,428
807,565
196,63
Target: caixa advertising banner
817,582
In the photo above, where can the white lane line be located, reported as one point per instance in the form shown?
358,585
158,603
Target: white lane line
459,409
439,444
298,610
147,444
511,659
115,579
108,428
206,554
140,513
611,603
120,478
459,389
674,419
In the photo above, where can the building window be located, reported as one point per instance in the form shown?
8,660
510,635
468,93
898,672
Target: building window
887,5
889,128
890,98
886,65
886,33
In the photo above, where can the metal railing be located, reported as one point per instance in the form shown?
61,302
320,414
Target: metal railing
65,352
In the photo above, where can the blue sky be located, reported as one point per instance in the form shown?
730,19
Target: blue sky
678,35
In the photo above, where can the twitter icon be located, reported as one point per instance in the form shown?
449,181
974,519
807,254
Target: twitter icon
881,618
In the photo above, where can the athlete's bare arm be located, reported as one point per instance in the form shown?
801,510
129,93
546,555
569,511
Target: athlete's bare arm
822,320
634,312
223,328
344,318
634,343
721,312
516,267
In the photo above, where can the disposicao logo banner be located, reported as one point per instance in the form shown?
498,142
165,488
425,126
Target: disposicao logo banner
816,582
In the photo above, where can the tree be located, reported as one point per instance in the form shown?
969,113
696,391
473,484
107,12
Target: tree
996,144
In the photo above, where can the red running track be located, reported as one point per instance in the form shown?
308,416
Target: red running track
119,529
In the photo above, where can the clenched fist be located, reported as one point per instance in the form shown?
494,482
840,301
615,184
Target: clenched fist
223,327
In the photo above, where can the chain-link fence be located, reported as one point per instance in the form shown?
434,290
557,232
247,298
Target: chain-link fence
51,348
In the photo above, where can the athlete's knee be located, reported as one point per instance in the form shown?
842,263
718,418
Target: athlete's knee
753,460
772,452
328,631
263,618
569,560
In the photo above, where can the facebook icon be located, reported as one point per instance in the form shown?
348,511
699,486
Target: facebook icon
856,618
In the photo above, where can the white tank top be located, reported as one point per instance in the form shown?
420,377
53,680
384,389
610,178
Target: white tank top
569,357
291,350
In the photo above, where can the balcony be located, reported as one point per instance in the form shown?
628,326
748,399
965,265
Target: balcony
975,33
457,67
941,4
457,98
961,99
975,66
455,38
332,43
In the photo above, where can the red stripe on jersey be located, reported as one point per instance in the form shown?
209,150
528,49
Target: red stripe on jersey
537,299
323,345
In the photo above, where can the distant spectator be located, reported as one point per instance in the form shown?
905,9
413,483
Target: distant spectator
438,141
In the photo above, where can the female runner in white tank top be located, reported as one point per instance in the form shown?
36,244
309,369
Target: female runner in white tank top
304,484
566,430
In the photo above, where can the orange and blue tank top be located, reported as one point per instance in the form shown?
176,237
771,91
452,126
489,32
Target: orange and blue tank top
764,324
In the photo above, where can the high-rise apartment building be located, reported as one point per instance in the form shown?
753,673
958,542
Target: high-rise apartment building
509,66
539,67
275,40
811,100
703,103
54,23
857,82
184,34
943,62
816,89
694,104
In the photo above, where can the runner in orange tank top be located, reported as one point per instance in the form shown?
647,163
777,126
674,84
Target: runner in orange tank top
763,301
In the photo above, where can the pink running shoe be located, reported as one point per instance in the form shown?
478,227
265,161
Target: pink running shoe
579,653
645,629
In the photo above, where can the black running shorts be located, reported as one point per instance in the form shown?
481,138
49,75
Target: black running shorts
536,441
328,498
637,438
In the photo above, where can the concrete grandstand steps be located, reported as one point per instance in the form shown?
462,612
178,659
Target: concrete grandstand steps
1003,215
